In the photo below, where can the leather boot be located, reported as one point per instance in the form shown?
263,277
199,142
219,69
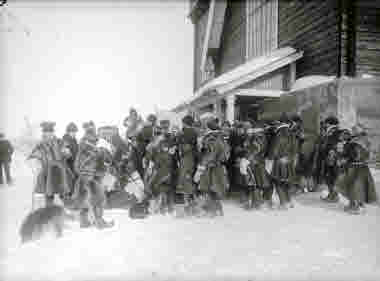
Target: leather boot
353,208
83,219
100,223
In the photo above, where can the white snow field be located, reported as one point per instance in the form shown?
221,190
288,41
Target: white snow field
313,241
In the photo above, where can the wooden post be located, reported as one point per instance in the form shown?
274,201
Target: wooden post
230,110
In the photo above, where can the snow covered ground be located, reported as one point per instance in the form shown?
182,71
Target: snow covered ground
313,241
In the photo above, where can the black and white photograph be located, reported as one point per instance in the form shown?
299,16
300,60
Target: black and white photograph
218,140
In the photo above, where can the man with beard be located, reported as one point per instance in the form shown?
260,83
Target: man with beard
53,174
89,165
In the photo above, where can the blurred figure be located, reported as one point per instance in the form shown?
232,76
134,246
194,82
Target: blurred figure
143,138
6,151
90,166
187,157
358,183
71,143
133,123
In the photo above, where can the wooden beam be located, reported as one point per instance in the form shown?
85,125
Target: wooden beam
207,35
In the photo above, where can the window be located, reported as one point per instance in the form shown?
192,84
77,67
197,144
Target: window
262,26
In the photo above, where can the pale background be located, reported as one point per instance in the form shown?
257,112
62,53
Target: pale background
66,61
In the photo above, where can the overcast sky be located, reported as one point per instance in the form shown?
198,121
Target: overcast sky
92,60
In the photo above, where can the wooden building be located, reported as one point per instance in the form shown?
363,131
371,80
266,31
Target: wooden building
249,52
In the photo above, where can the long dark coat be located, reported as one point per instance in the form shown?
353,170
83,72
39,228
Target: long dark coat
6,150
55,177
214,178
72,145
358,183
159,180
281,153
90,167
237,152
256,148
325,166
187,150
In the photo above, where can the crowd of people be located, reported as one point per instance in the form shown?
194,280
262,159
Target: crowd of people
202,163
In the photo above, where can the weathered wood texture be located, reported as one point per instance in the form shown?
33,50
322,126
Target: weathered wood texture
199,36
233,45
262,26
311,26
276,80
367,38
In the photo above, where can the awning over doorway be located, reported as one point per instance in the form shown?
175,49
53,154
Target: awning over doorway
244,73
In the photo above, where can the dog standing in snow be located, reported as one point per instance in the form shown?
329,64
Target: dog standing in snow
50,220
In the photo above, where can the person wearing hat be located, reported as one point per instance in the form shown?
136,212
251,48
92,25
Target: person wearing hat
71,143
133,123
297,139
329,157
143,138
6,151
282,171
159,175
211,174
187,157
258,183
89,165
237,140
53,175
357,184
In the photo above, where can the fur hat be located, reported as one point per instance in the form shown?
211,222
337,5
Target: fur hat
212,124
188,120
284,118
71,127
165,124
88,125
152,118
331,120
47,126
132,110
296,118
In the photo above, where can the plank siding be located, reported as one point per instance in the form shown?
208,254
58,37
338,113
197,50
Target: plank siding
313,28
261,27
200,32
277,80
233,44
367,39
